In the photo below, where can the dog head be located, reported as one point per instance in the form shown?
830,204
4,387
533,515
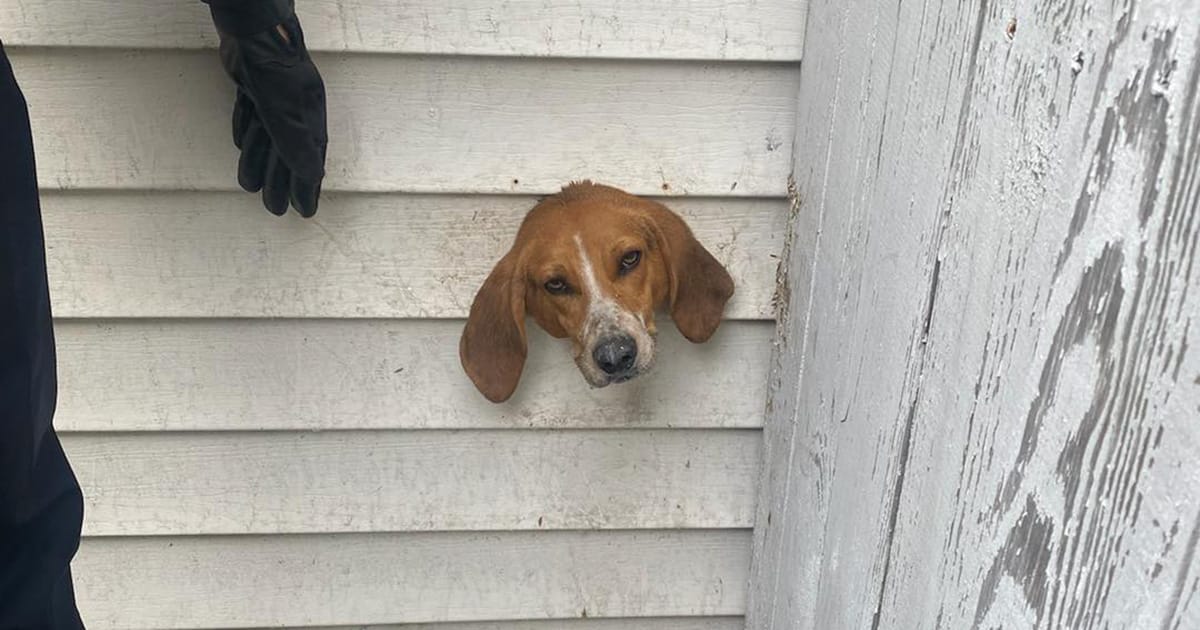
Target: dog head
592,264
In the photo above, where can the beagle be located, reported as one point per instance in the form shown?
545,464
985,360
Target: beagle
592,263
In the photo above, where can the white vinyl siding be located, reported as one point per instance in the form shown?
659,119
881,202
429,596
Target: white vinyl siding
268,416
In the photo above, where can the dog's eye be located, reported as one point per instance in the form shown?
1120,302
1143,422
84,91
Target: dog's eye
556,286
630,260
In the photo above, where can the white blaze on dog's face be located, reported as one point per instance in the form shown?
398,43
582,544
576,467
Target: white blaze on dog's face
614,343
592,264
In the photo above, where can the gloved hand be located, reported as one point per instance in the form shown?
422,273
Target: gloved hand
278,115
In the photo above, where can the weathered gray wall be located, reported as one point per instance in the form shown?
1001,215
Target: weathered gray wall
986,397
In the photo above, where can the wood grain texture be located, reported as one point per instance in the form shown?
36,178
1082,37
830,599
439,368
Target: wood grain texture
255,375
678,29
1000,207
843,366
363,481
384,256
352,579
120,119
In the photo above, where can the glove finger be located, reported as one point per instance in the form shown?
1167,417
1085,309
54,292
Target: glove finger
243,113
305,194
275,188
296,118
256,148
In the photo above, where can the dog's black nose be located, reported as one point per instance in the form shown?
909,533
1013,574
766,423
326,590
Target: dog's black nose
615,355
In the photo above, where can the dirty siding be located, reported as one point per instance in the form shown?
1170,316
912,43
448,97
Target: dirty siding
985,404
268,416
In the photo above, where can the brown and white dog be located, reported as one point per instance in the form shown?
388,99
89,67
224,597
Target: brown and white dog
592,263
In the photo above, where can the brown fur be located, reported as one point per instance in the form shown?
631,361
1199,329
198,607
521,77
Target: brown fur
675,272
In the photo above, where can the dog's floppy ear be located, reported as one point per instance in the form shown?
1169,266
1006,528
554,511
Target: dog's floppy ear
493,345
699,286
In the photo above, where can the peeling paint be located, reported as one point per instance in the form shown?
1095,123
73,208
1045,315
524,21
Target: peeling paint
997,407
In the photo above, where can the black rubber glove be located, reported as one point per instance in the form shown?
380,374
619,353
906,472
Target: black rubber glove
278,114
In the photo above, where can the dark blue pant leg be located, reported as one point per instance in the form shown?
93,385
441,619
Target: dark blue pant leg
41,507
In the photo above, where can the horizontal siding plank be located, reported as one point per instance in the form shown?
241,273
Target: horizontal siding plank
679,29
248,375
362,481
160,120
221,255
233,581
644,623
